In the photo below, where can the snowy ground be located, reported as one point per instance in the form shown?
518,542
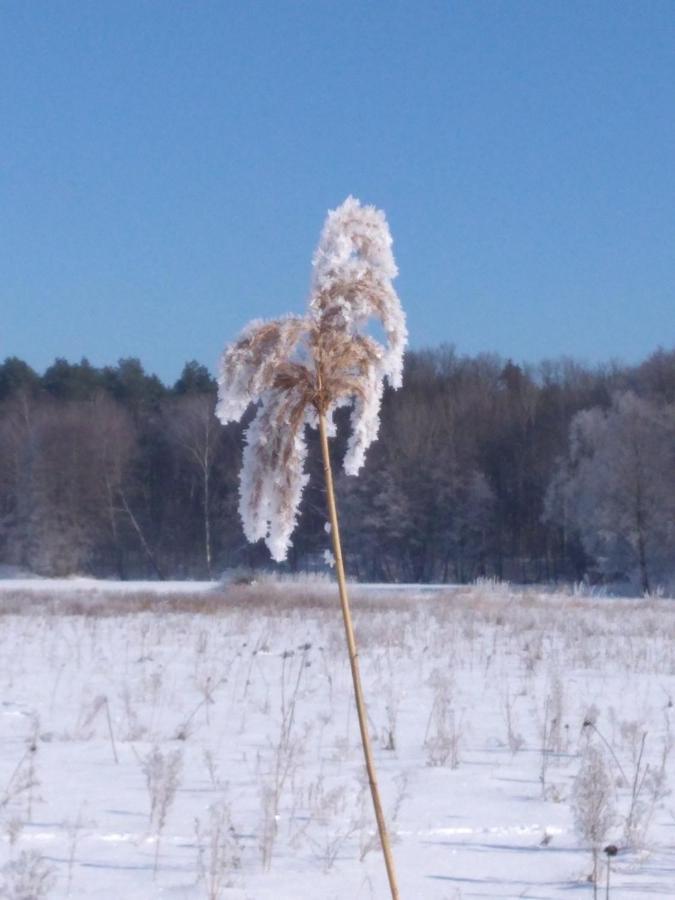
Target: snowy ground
477,699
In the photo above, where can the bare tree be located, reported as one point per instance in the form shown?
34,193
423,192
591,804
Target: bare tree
16,458
61,510
113,449
193,427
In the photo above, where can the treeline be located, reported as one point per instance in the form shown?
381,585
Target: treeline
482,468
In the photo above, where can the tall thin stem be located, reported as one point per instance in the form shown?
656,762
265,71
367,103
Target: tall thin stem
354,661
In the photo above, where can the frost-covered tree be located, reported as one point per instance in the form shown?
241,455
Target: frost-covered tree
298,371
616,488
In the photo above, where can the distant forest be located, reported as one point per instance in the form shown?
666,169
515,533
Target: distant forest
551,472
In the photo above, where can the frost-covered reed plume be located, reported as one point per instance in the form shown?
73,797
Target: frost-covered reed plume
299,370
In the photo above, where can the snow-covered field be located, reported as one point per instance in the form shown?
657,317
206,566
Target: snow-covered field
203,744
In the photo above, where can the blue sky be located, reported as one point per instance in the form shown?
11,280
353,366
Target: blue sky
165,169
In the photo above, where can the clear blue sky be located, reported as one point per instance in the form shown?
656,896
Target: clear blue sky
165,169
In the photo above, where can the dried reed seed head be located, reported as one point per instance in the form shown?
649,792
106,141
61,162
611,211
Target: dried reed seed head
297,367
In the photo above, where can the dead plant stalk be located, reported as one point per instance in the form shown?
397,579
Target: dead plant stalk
354,658
299,370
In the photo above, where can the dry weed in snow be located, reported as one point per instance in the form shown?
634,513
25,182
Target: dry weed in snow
299,371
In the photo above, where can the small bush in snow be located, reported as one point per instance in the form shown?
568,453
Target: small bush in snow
29,877
219,849
162,777
593,804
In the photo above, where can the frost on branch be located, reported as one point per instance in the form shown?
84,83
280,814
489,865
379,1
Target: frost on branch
298,367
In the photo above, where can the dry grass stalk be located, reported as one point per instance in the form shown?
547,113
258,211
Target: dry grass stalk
299,370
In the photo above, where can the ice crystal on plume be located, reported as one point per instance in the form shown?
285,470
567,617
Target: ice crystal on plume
295,366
